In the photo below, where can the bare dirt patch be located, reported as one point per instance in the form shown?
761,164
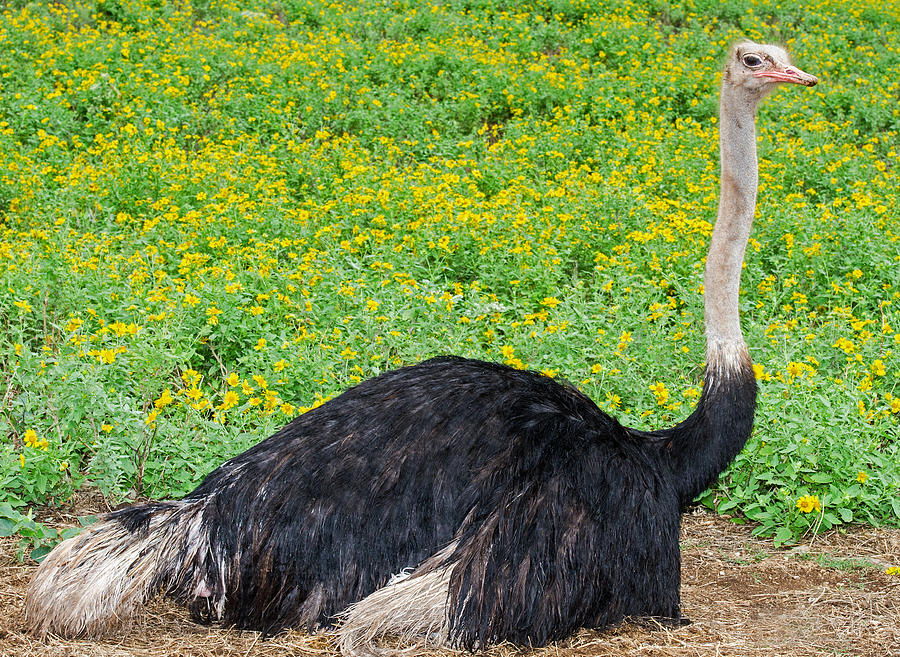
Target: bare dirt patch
744,598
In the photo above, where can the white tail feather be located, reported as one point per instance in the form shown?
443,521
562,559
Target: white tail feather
413,609
89,583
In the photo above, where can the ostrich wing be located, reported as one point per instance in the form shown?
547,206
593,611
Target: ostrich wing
584,537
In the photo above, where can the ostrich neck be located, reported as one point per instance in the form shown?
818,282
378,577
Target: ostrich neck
703,445
737,204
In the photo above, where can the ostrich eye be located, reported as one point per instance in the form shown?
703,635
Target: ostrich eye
752,61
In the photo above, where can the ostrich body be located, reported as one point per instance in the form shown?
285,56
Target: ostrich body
456,500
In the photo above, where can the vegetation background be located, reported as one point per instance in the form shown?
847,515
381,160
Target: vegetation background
215,215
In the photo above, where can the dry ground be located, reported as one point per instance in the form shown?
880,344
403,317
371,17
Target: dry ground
746,599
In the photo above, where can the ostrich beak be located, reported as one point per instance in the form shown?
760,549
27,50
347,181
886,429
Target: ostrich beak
789,74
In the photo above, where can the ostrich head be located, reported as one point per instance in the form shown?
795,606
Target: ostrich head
756,69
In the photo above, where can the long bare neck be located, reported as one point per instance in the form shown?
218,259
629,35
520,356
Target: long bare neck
702,446
737,204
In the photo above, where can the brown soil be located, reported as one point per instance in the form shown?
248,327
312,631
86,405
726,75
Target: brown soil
745,599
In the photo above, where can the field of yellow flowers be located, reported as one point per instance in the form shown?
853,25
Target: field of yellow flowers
216,214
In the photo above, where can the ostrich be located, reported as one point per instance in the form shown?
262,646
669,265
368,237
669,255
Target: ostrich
454,501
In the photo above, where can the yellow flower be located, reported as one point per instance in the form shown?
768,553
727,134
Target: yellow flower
878,367
861,477
809,503
107,356
164,399
844,345
271,401
662,394
229,400
691,393
191,377
260,344
30,438
193,394
122,330
24,306
63,466
550,302
893,570
233,379
862,408
212,315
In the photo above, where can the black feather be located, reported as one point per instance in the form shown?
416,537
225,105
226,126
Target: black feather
563,518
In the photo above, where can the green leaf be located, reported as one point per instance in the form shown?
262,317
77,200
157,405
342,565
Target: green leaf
782,536
763,530
85,521
727,505
39,553
69,532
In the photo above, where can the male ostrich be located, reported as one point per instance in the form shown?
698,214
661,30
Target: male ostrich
458,501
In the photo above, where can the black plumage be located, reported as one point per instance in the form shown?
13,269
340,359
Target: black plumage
571,518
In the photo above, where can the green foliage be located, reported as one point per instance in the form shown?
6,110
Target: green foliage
36,539
214,216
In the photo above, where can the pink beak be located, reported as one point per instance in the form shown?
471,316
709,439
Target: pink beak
791,75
